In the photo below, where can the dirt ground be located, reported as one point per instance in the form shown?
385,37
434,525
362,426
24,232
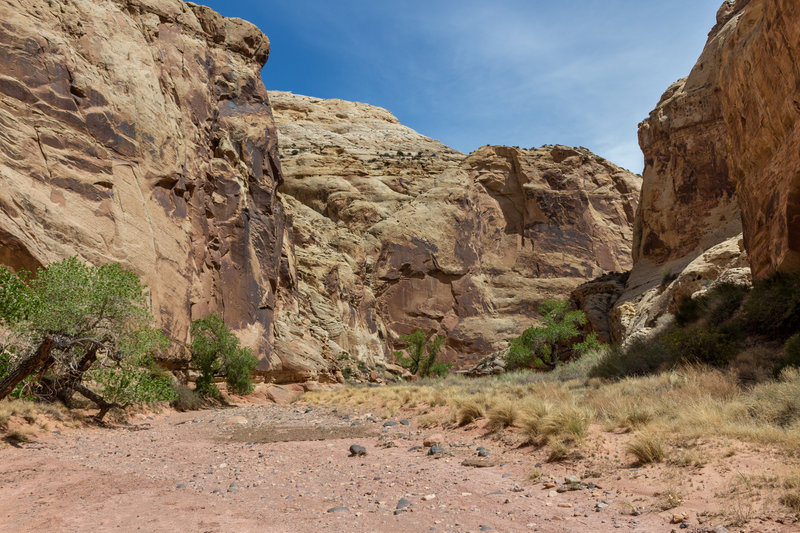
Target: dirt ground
276,468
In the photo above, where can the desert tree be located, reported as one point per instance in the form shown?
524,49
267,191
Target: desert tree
77,328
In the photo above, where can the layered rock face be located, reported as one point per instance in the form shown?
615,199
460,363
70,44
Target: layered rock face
721,157
395,231
761,109
140,132
688,201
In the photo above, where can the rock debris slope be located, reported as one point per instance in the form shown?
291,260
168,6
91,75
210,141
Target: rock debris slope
395,231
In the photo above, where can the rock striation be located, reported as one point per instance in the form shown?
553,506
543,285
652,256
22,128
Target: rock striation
721,159
761,109
140,132
395,231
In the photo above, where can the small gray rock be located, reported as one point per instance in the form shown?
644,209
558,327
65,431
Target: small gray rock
356,450
389,423
403,503
337,509
180,486
436,450
404,422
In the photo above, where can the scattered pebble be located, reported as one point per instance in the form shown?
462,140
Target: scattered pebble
357,450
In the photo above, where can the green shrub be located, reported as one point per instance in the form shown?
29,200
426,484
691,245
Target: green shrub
131,384
791,353
422,355
16,297
215,350
187,399
80,321
773,306
541,346
714,308
641,357
237,367
697,344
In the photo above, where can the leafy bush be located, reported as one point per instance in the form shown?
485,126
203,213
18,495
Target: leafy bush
791,353
215,350
187,399
15,296
131,383
713,308
542,346
237,367
773,306
697,344
74,321
422,355
641,357
708,329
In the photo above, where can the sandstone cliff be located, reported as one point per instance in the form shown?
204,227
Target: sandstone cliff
140,132
394,231
721,159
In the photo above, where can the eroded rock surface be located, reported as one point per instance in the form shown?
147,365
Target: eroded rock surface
761,109
394,231
140,132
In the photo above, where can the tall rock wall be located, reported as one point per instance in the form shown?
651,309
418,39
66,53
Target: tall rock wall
760,100
139,131
395,231
721,159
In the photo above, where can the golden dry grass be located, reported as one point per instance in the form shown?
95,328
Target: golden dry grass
33,413
647,448
679,405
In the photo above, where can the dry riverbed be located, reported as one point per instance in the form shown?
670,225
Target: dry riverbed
288,468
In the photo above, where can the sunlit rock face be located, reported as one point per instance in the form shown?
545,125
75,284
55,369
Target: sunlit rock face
395,231
721,157
140,132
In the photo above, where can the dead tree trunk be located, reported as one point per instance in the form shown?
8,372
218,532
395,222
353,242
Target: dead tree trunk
66,385
26,367
101,402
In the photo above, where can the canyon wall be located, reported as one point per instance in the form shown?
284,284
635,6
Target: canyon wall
395,231
140,131
722,172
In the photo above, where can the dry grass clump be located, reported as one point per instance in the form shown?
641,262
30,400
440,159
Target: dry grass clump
569,423
469,411
647,448
19,435
543,422
684,403
669,499
558,452
504,414
791,495
32,412
188,399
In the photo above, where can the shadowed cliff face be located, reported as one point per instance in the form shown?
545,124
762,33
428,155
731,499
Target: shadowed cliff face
721,160
760,77
140,132
394,231
721,146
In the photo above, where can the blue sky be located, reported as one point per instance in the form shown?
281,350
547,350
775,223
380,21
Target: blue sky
469,73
